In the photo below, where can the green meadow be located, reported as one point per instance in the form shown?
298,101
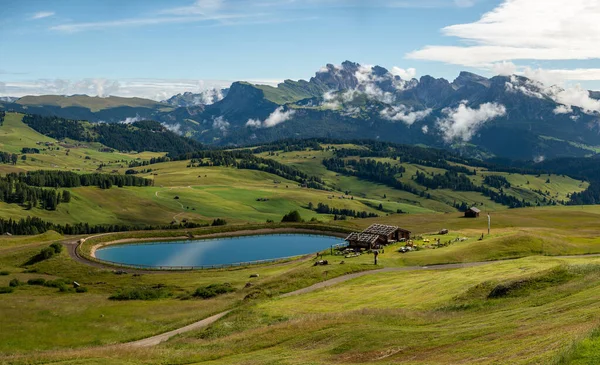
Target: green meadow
519,298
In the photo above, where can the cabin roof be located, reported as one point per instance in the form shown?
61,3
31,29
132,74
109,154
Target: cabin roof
474,210
362,237
383,229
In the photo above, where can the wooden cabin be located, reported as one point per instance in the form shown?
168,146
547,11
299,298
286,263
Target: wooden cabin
387,234
362,240
472,213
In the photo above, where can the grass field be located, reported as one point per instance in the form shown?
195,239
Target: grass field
524,305
547,315
442,200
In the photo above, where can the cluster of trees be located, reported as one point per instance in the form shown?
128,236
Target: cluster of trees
27,189
30,150
289,145
496,181
153,160
247,161
371,170
35,225
459,182
68,179
17,192
326,209
8,158
2,115
138,136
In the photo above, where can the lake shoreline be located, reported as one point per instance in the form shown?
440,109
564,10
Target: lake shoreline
240,233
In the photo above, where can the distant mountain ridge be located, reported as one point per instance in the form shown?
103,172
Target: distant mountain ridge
504,116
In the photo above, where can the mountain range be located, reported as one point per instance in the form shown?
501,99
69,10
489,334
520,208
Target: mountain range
504,116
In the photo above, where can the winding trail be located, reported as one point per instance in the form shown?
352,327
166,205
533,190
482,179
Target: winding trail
178,202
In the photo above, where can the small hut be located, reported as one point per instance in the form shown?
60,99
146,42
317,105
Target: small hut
387,234
362,240
472,213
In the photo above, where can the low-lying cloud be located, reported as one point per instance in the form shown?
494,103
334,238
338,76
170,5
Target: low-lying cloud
277,117
221,124
463,122
404,114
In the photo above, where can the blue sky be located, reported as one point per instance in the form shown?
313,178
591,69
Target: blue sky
152,48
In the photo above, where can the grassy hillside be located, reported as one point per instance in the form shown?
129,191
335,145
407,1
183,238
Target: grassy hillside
94,103
54,154
537,309
523,186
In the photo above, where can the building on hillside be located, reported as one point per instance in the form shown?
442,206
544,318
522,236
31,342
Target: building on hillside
362,240
387,234
472,213
377,235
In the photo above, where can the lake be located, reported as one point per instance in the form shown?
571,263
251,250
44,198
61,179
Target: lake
218,251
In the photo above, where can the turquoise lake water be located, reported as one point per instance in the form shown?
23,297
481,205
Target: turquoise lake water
219,251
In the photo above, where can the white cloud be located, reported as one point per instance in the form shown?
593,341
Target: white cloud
330,102
576,96
277,117
563,109
404,114
524,30
199,7
254,123
221,124
425,129
504,68
407,74
42,14
538,159
156,89
527,87
462,123
175,128
131,120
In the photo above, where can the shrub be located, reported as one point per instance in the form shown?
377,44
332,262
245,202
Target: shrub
6,289
46,253
57,247
37,281
213,290
141,293
64,288
14,283
55,283
219,222
4,273
81,289
293,216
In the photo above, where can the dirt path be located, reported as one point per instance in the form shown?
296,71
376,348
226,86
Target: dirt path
155,340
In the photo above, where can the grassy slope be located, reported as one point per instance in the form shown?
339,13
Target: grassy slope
14,135
418,317
93,103
441,199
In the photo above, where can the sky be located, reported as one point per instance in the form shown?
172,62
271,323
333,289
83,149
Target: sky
154,49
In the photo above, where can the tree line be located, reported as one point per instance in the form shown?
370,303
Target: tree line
459,182
35,225
326,209
68,179
245,160
138,136
378,172
8,158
